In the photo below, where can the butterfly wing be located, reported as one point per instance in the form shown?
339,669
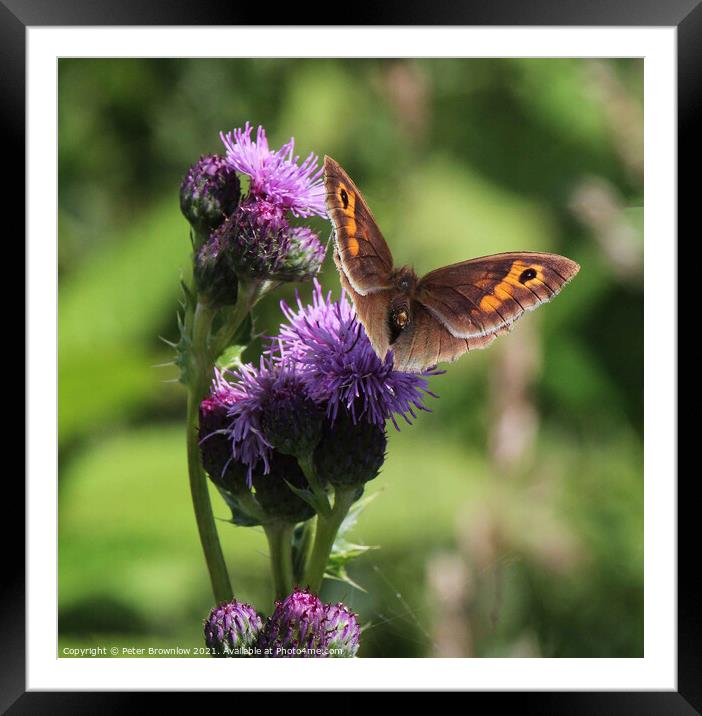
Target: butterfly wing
364,256
467,305
428,342
371,310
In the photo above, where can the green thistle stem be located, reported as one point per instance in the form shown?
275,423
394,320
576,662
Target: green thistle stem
249,293
279,535
304,550
327,528
306,463
204,351
198,323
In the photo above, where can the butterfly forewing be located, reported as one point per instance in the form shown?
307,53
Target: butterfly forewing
363,252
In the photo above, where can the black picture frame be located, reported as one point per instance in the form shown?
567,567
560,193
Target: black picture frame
17,15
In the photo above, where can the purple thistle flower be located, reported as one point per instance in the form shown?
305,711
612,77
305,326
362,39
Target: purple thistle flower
242,400
232,629
265,408
339,366
277,176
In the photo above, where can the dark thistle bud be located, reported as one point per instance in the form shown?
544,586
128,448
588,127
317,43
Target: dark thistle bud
259,237
215,279
301,626
232,630
343,632
296,628
350,454
291,422
304,258
210,191
274,496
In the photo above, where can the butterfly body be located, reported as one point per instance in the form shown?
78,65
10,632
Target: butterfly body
447,312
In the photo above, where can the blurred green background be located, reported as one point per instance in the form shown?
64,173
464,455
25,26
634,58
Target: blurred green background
510,520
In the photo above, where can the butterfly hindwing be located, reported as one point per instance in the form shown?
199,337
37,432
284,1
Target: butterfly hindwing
485,295
428,342
363,253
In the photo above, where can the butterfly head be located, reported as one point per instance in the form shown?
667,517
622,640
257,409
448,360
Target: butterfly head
404,280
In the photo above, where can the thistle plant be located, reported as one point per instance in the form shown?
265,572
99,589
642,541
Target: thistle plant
291,440
243,245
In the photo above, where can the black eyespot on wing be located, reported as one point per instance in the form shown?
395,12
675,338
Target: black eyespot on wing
527,275
344,198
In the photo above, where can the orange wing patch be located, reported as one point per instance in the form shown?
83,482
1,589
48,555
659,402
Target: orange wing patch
520,274
352,246
347,199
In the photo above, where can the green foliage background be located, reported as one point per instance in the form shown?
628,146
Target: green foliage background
457,158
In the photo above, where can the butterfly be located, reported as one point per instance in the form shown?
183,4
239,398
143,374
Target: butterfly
442,315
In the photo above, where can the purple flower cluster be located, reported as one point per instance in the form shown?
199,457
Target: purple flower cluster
252,236
321,362
300,626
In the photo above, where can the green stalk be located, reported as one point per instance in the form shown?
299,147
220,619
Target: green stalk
279,536
305,548
249,293
204,351
306,463
327,528
199,322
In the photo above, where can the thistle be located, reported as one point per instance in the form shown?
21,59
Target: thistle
232,629
297,434
209,192
303,627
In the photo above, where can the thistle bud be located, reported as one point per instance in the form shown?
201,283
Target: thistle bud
210,191
259,237
274,496
343,632
350,454
304,257
232,630
296,628
301,626
291,422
